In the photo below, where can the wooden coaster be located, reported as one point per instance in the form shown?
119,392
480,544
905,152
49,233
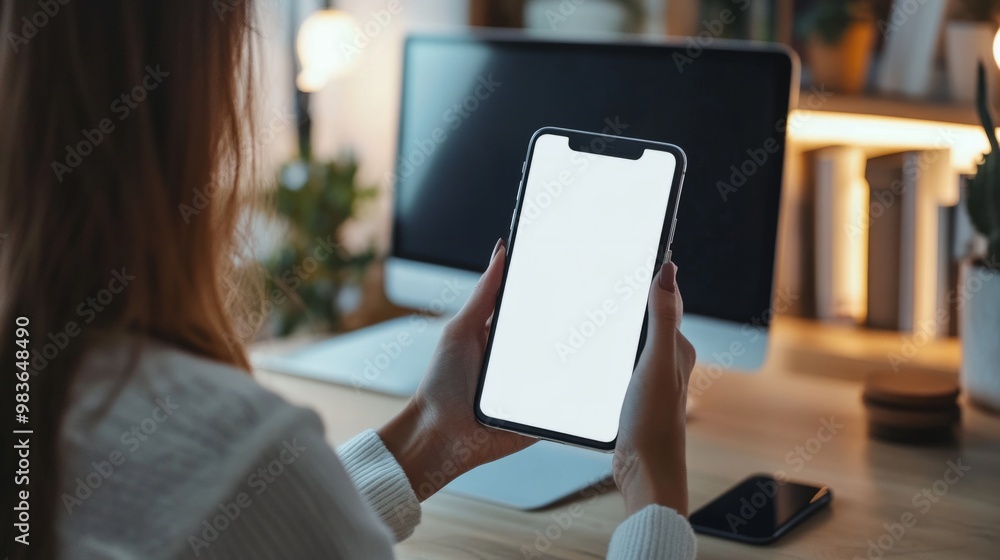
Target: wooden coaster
912,407
912,389
911,417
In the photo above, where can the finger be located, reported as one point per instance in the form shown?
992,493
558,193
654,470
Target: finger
687,355
665,304
481,303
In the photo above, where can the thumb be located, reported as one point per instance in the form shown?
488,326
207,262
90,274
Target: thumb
665,304
479,307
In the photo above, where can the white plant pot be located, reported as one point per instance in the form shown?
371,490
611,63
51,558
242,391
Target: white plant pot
911,34
980,332
968,42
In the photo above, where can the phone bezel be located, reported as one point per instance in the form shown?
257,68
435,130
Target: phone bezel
794,521
614,145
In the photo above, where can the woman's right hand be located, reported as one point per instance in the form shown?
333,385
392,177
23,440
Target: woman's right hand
649,463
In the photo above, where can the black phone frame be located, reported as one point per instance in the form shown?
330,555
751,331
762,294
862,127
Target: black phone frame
615,146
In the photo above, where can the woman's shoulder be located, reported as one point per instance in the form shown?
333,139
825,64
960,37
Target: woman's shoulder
144,377
155,434
140,390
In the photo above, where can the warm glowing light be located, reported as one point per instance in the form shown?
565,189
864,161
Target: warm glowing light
967,143
325,48
841,238
996,48
856,269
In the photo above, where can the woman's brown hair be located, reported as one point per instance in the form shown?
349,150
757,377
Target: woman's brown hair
123,143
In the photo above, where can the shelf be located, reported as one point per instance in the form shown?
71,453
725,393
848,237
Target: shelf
889,106
883,125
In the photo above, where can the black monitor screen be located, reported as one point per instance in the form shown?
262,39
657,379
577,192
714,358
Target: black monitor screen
471,103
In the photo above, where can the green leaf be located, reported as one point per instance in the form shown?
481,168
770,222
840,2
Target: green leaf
329,196
983,197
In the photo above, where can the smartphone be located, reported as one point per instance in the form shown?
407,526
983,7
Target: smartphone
594,217
760,509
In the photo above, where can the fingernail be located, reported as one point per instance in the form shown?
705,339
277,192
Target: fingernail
668,276
496,248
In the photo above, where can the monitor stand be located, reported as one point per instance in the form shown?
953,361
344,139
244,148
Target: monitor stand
391,358
537,477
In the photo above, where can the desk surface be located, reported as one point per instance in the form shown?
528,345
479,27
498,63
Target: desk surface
743,423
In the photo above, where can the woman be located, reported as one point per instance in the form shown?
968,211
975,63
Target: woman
149,434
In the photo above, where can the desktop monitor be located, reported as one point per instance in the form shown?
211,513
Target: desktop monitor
471,102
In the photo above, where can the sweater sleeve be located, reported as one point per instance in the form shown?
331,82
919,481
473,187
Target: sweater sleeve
653,533
381,481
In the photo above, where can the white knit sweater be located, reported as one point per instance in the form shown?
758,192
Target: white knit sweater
193,459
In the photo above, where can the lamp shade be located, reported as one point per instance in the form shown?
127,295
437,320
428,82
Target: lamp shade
996,48
324,47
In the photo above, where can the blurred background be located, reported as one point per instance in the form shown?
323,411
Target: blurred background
883,140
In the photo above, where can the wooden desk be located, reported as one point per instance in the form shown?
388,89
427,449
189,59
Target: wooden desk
742,424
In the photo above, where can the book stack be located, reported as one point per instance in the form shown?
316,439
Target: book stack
889,236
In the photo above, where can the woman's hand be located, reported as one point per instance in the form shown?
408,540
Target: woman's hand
436,437
649,464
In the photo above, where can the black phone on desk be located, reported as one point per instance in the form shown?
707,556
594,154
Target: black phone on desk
760,509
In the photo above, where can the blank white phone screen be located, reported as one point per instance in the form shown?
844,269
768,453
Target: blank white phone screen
576,291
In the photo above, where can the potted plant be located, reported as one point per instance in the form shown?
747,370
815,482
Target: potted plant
839,36
969,38
980,310
308,273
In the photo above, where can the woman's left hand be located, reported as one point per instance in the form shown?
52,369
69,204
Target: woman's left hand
436,437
